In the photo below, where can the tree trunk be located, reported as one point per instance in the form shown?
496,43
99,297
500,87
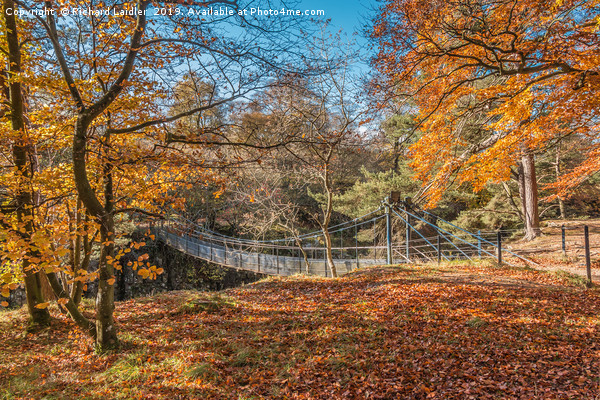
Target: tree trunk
106,336
72,309
105,299
328,246
77,289
528,191
326,220
304,255
23,158
106,332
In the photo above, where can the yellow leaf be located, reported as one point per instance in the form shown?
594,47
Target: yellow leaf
4,304
111,281
144,273
41,306
62,252
62,301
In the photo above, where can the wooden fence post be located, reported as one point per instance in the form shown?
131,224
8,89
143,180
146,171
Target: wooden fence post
499,243
588,260
407,201
564,240
325,257
356,241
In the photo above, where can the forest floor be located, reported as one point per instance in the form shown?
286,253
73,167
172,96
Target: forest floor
452,331
547,252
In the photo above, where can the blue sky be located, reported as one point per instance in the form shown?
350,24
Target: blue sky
348,15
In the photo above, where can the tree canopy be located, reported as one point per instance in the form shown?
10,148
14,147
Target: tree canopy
490,79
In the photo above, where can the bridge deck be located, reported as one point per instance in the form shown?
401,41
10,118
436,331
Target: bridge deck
264,263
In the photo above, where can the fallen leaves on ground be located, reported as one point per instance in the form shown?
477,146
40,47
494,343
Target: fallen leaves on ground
453,332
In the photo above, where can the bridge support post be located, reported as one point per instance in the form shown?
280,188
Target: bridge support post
388,229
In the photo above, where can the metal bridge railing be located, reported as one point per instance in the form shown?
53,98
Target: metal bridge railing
265,257
286,257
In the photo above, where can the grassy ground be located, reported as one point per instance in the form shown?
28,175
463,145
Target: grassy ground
448,332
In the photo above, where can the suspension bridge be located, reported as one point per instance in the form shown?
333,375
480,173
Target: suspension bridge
397,232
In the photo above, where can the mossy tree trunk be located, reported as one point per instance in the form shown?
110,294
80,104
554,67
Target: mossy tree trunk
24,157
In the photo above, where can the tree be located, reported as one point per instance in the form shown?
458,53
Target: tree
330,118
273,202
398,132
520,74
24,158
120,76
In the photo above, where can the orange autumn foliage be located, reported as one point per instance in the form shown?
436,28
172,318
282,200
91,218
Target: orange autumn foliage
489,80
